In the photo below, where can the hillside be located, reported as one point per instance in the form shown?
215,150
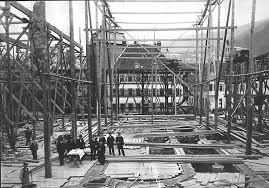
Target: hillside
261,38
242,38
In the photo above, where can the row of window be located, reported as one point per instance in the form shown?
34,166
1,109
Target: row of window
138,107
147,78
147,92
241,87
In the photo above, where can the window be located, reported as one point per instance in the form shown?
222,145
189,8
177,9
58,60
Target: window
146,92
122,107
211,87
130,92
161,106
170,91
158,92
154,92
149,92
122,92
138,107
121,78
130,78
221,87
161,92
126,92
220,103
146,78
130,107
138,93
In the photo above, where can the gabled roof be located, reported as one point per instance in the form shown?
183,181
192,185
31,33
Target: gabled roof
140,59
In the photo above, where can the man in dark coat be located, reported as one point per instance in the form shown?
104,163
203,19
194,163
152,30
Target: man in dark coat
110,144
102,139
24,175
120,143
28,134
94,147
34,148
61,149
80,142
101,153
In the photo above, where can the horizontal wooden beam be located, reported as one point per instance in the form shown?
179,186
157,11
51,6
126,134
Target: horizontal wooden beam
158,116
197,12
156,23
179,145
179,159
163,29
13,41
149,125
164,134
141,53
144,40
155,1
154,47
68,78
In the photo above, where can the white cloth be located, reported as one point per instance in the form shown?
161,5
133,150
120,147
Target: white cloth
76,152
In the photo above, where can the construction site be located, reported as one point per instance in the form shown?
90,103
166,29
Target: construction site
172,78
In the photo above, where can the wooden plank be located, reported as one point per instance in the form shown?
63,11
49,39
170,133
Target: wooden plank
158,116
159,125
179,159
163,134
171,145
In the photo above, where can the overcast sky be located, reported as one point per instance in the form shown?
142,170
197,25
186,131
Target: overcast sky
57,15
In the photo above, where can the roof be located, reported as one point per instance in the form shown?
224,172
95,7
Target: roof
143,60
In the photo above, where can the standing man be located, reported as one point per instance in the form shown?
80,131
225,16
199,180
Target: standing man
120,143
28,134
102,139
80,142
110,144
61,149
101,152
24,175
34,148
93,146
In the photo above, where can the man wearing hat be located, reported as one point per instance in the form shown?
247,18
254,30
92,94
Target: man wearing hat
110,144
24,175
120,143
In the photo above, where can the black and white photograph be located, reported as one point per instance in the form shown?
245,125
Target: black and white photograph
134,94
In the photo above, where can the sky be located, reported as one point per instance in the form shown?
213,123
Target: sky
57,15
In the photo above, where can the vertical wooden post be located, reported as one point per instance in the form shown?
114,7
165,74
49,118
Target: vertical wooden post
110,78
201,80
152,67
156,72
142,92
104,63
217,70
229,105
62,80
42,52
9,107
35,109
260,103
249,82
89,110
116,76
175,95
196,75
209,64
72,72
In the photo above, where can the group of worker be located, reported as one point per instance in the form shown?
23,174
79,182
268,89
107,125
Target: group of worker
98,146
65,145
